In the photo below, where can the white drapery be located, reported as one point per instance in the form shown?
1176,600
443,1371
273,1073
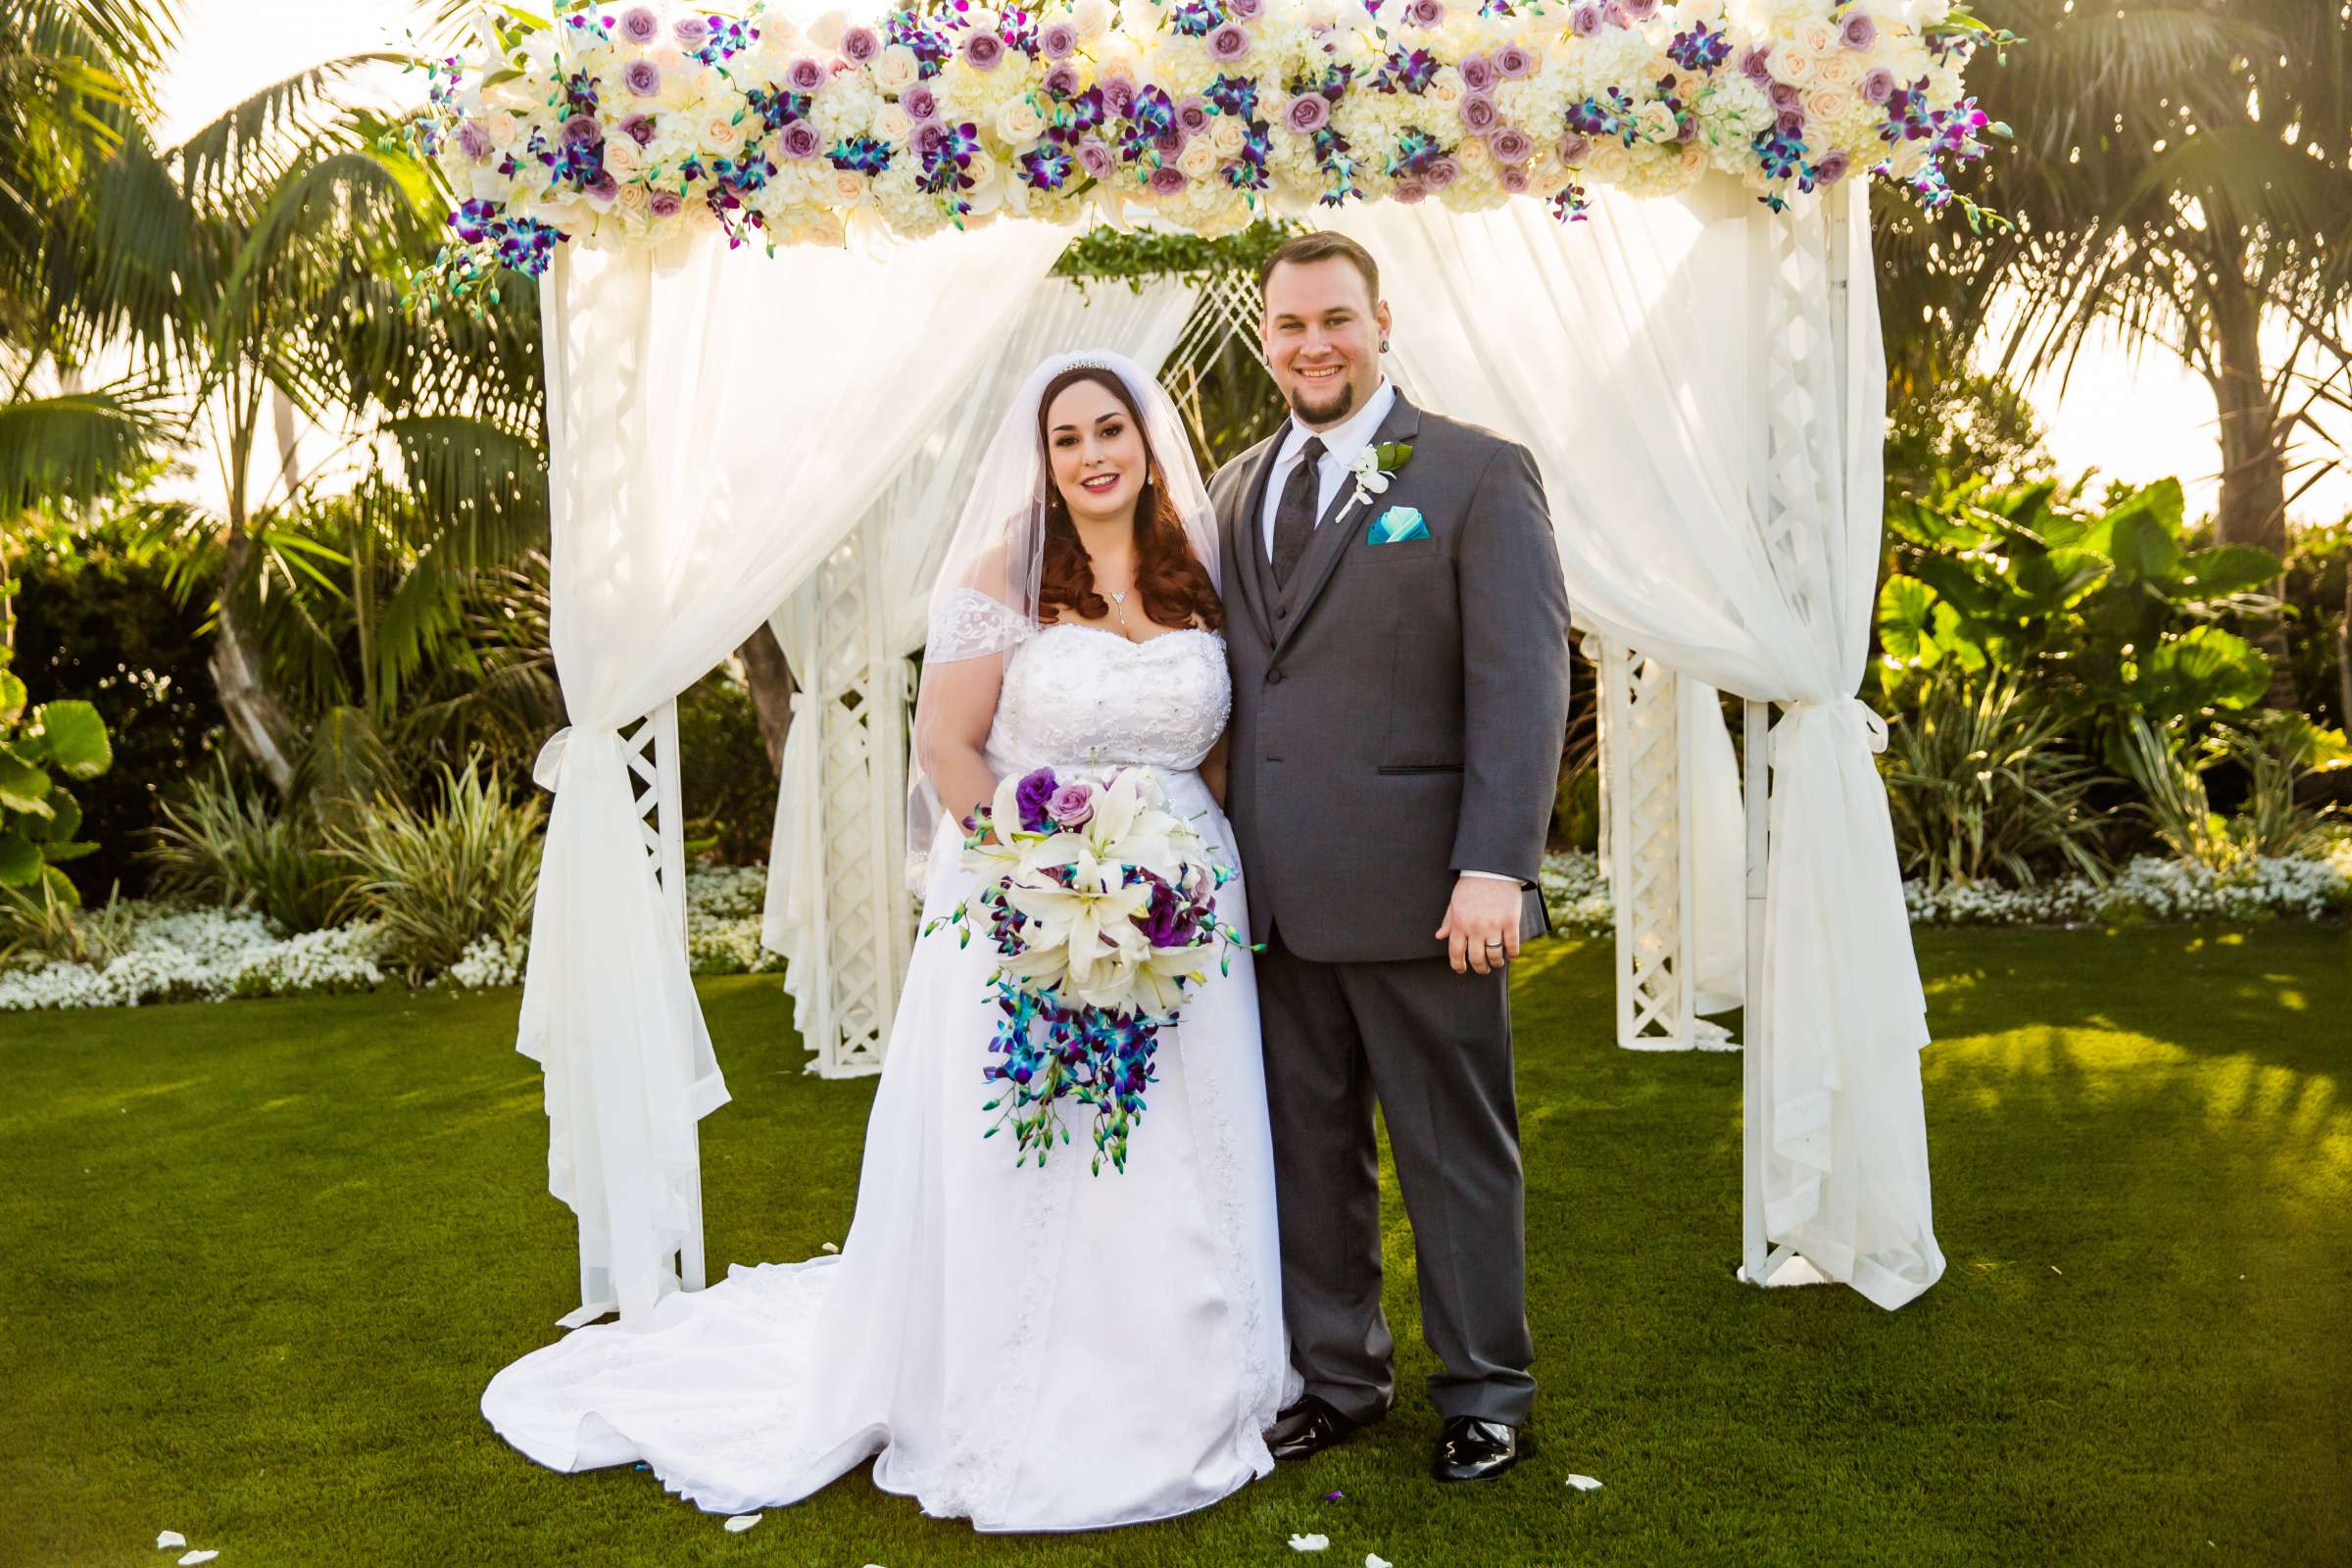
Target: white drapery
716,430
912,521
1713,464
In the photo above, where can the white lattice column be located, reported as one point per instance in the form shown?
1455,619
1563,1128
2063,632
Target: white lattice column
854,689
1649,849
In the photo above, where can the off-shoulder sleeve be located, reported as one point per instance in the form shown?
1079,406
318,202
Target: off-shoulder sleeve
967,624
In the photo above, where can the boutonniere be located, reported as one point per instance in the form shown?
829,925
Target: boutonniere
1375,466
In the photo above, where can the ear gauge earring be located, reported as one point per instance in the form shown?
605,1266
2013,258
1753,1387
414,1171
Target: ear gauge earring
1384,345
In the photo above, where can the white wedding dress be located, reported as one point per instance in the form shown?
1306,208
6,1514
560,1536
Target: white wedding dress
1031,1350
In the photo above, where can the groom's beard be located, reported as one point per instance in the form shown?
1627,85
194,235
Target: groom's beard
1326,413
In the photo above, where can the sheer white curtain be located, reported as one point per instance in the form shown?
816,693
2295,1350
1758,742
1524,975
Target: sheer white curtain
917,512
716,423
1713,464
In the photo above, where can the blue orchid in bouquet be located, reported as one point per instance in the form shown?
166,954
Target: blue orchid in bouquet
1101,907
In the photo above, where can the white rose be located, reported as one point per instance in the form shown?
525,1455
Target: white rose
1816,38
632,198
1824,106
1841,70
892,124
1227,133
1930,13
897,70
1655,122
722,135
1139,18
1607,161
501,130
826,30
847,188
1198,160
1019,123
1792,65
623,158
1092,18
982,170
1695,158
1474,155
1445,87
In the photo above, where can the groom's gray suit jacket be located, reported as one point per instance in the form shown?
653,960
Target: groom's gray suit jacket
1398,715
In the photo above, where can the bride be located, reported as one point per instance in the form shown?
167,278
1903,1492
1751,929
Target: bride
1031,1347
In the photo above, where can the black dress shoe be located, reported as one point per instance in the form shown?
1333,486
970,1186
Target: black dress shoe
1306,1429
1471,1450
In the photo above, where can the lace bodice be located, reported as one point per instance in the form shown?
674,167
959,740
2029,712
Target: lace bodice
1082,695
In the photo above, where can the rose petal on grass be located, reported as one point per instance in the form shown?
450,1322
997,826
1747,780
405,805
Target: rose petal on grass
829,1247
195,1558
169,1538
1310,1543
741,1522
1373,1560
1584,1482
1332,1497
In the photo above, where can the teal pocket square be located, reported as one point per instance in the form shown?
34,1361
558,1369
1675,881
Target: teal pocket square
1396,525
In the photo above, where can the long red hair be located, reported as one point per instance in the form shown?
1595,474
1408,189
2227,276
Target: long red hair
1172,584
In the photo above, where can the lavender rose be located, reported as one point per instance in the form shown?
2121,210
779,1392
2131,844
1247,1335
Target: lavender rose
1832,168
1756,63
1247,10
1095,158
1307,114
1062,81
1513,61
642,77
982,50
929,136
1792,123
691,33
1118,95
1639,9
1228,44
1072,804
1511,145
1167,180
1878,85
1573,148
800,139
1192,115
1170,143
1584,21
1408,191
1514,178
859,45
582,131
1031,796
665,204
638,128
805,74
1786,96
474,141
1477,72
1057,40
920,101
639,25
1858,32
1479,113
1441,172
604,187
1426,13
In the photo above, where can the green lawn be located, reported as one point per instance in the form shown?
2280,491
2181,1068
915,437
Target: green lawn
262,1257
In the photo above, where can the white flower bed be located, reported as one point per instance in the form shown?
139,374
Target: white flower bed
177,953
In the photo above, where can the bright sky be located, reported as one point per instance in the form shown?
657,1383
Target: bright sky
2134,421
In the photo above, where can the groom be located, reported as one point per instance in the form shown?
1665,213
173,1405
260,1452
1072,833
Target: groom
1398,639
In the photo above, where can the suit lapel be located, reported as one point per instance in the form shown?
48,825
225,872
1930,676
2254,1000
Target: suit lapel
1330,543
1246,556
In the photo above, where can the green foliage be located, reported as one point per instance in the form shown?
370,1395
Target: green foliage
1133,255
2174,799
228,843
2103,613
729,785
40,820
434,879
2318,600
1977,782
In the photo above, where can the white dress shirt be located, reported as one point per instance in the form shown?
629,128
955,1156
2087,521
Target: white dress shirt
1342,444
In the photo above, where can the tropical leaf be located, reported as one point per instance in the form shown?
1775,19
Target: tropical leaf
76,738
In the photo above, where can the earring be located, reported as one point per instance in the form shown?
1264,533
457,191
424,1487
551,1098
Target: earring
1384,345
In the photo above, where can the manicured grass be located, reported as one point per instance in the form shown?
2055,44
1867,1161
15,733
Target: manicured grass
260,1259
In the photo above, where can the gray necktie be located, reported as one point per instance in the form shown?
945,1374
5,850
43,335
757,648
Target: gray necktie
1295,519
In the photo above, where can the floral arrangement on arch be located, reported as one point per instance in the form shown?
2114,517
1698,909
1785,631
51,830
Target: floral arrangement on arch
624,123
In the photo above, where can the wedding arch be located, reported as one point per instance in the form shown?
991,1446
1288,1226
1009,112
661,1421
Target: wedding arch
1621,231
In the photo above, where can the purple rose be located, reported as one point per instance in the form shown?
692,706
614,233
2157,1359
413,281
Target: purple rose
805,74
982,50
1167,180
1062,81
1514,178
1685,128
1858,32
1479,113
1118,95
1584,21
1441,172
1408,191
1307,114
1513,61
639,25
800,139
1639,9
691,33
638,128
582,131
1477,72
1756,63
1170,143
920,101
1228,44
1878,85
1786,96
1192,115
1056,41
1511,145
859,45
1030,798
1426,13
665,204
1573,148
1247,10
474,141
1072,804
642,77
1792,123
929,136
1095,158
1832,168
1613,13
604,187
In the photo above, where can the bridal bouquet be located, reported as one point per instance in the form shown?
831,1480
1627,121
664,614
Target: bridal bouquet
1102,907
